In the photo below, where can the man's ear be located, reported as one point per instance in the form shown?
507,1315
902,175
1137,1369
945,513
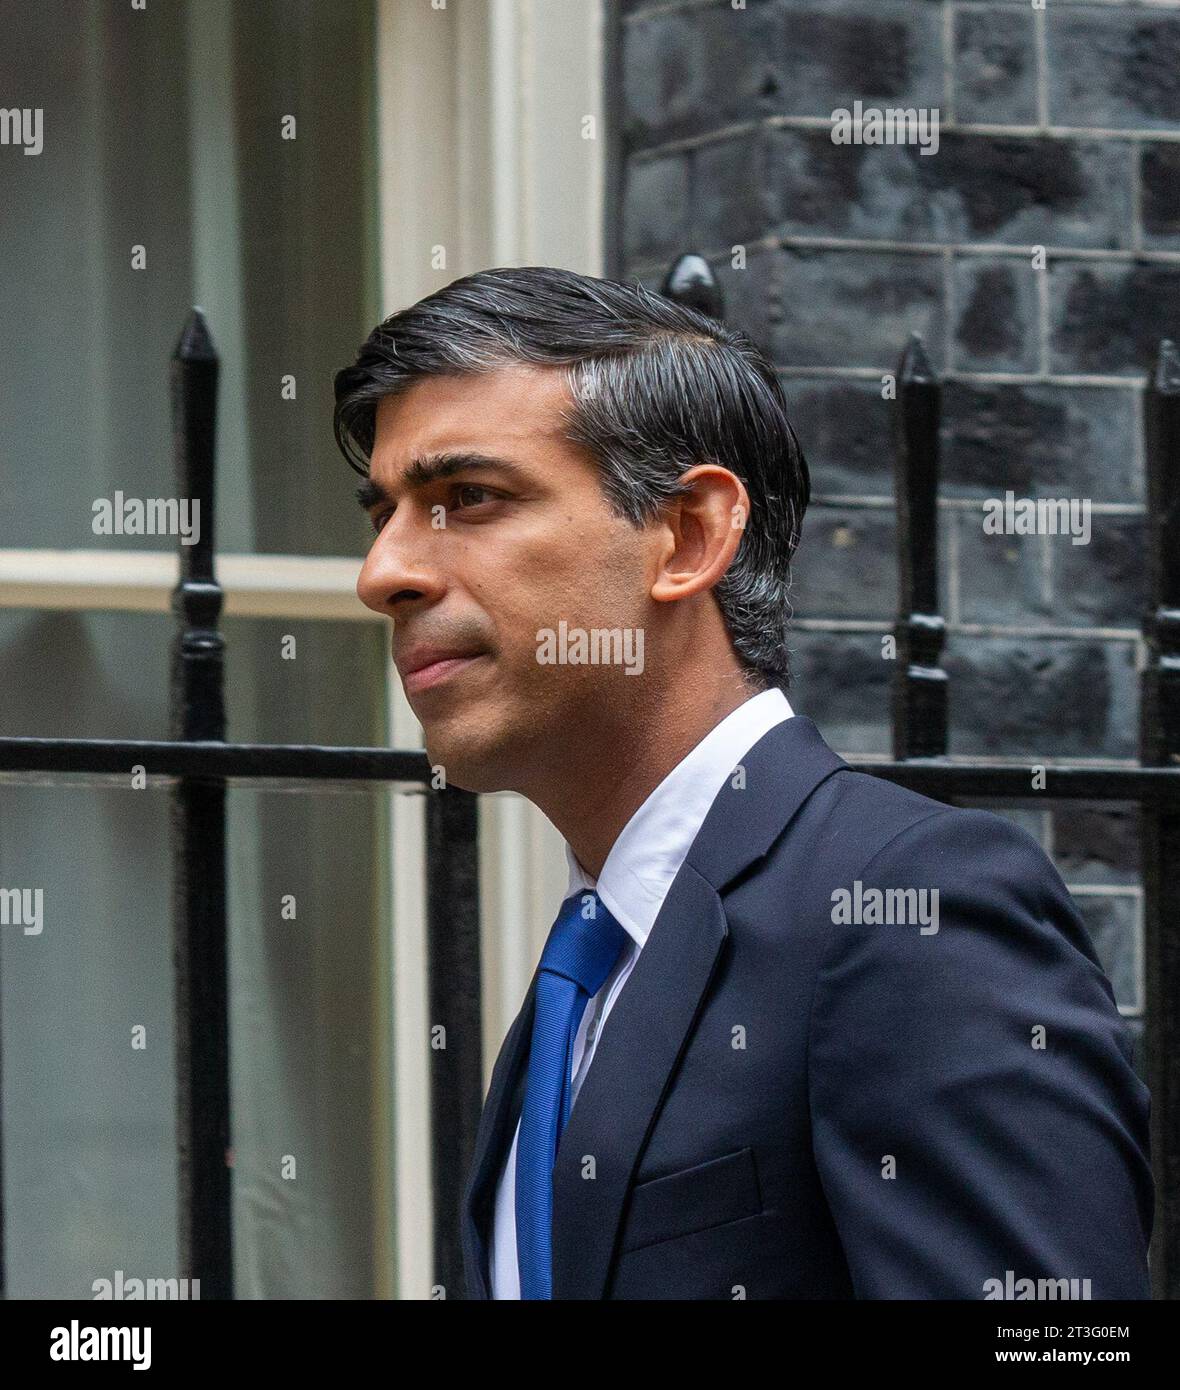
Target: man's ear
704,527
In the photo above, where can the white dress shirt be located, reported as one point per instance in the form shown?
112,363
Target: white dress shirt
634,881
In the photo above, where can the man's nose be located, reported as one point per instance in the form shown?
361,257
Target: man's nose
399,566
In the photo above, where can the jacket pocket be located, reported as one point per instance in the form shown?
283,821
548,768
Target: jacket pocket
692,1199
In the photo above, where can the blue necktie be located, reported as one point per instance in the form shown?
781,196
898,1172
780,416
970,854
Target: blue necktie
583,945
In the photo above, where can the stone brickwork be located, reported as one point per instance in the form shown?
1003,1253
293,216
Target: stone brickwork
1059,130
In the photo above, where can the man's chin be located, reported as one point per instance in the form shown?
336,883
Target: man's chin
470,768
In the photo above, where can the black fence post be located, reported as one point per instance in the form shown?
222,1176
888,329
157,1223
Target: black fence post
198,828
1159,738
919,686
690,281
455,1020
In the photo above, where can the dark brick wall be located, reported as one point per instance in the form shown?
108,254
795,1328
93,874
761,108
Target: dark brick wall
1059,128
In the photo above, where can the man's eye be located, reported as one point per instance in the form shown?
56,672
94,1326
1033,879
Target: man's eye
462,491
485,495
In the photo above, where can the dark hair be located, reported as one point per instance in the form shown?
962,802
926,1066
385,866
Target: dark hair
657,388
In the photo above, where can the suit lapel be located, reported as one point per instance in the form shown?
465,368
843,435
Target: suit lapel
652,1018
491,1144
650,1024
621,1093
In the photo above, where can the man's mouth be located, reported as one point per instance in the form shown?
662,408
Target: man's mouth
426,677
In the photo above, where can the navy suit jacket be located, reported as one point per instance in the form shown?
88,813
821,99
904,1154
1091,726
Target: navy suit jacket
784,1105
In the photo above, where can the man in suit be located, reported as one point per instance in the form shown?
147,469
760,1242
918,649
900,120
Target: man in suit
796,1032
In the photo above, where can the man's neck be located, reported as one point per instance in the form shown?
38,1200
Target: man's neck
606,780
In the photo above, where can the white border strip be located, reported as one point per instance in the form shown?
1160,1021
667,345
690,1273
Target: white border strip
142,581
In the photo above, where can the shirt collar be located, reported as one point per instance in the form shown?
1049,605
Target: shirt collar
654,843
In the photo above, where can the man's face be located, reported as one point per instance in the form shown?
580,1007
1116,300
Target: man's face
480,560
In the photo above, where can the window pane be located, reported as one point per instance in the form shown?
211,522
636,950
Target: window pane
90,1104
105,675
163,129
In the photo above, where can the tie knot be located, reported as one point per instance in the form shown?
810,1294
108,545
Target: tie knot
584,942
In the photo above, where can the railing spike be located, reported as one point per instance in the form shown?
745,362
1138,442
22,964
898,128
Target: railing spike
1159,745
1166,378
690,281
200,942
915,365
920,693
195,343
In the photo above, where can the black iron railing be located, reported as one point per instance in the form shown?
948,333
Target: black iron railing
202,760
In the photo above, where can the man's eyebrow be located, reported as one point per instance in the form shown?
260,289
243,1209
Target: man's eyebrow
429,468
